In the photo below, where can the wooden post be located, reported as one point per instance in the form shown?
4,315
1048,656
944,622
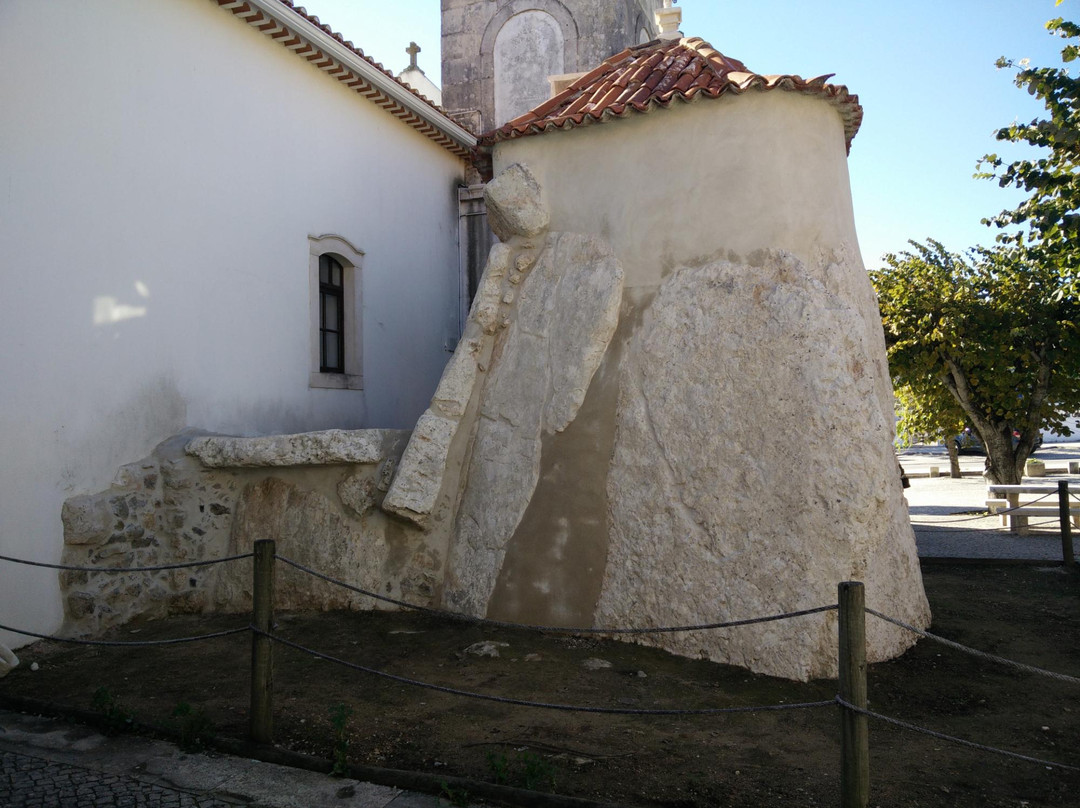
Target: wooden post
261,718
854,732
1064,516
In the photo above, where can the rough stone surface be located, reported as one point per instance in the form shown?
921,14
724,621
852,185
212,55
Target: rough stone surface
357,492
566,314
309,529
739,385
486,308
458,380
486,648
515,204
308,448
85,520
419,479
8,661
171,508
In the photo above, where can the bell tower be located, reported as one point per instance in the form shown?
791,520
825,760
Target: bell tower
499,56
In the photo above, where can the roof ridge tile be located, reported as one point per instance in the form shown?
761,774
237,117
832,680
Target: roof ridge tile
653,75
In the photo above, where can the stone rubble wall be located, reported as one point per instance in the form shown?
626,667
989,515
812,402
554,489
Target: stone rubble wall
203,497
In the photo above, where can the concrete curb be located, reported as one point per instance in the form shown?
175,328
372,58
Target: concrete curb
421,782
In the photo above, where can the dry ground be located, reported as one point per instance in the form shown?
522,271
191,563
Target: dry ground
766,759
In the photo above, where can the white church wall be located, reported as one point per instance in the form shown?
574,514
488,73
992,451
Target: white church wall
162,166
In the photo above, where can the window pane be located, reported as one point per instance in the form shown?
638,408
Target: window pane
324,269
335,276
330,311
332,359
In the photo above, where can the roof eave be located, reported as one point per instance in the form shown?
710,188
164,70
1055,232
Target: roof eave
315,36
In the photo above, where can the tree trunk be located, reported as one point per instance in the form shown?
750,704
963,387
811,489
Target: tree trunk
1002,467
954,457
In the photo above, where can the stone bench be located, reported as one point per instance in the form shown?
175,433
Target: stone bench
1017,503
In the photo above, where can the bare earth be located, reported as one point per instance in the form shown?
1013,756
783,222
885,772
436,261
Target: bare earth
764,759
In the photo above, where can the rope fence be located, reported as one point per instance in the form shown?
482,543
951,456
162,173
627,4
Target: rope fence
988,513
127,643
541,704
1061,677
158,568
851,699
483,621
953,739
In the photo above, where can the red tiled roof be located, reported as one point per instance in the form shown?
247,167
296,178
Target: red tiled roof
654,75
279,28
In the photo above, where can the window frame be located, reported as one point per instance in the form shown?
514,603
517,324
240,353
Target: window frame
350,377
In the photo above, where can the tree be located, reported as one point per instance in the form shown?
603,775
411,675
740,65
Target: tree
928,410
996,330
1049,219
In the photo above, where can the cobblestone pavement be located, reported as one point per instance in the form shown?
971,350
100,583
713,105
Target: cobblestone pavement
51,763
31,782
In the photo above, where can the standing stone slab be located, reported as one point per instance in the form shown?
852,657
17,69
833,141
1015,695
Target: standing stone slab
741,391
420,475
566,315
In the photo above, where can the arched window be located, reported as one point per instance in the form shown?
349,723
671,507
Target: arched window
334,277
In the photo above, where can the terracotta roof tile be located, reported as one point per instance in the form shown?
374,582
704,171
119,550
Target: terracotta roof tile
656,74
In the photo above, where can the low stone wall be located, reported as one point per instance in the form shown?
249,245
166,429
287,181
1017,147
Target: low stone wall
200,497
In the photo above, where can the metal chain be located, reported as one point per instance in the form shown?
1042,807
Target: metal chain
555,629
178,566
544,705
127,643
1061,677
952,739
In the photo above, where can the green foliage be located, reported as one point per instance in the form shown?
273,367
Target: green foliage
193,726
500,767
989,338
458,797
339,720
115,719
525,769
1048,220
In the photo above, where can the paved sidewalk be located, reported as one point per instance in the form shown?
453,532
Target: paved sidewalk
944,511
53,764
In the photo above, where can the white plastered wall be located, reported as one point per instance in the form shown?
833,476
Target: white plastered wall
764,170
162,166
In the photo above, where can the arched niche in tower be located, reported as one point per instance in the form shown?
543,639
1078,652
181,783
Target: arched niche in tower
493,37
528,48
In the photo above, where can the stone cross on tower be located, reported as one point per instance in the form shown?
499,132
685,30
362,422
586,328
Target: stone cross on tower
412,50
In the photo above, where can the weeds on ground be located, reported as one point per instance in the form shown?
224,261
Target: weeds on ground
194,728
115,719
457,797
339,720
525,769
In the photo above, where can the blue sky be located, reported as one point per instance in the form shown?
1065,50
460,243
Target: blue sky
923,69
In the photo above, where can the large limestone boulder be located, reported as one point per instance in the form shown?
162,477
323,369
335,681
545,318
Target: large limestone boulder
753,471
515,204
